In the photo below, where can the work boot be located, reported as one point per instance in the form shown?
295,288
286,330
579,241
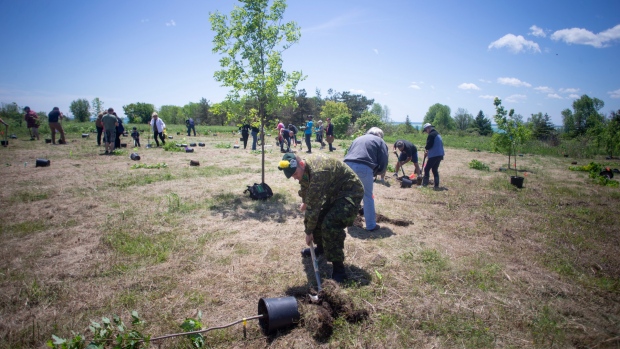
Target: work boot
318,251
338,273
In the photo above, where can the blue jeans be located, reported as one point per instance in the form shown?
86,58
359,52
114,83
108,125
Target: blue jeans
364,172
254,135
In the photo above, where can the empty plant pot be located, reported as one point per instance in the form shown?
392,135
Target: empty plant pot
607,174
201,144
5,143
405,182
84,135
178,133
184,145
517,181
47,140
42,163
134,156
277,313
169,137
192,144
194,163
13,136
123,145
189,150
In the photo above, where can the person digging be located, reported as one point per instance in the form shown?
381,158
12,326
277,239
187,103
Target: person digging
408,152
331,194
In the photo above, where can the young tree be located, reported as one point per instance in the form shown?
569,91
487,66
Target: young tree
541,126
483,124
368,120
97,106
11,111
80,109
408,126
251,42
585,114
202,114
463,119
514,131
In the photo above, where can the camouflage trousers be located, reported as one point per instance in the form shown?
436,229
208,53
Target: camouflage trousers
333,219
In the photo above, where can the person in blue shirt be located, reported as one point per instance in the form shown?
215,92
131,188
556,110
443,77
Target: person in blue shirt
434,153
308,134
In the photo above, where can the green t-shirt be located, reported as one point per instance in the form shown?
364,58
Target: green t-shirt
109,122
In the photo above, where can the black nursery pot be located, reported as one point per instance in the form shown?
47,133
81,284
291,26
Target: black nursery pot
277,313
5,143
517,181
42,163
48,140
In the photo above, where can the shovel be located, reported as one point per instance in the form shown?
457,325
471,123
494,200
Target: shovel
401,167
315,265
420,177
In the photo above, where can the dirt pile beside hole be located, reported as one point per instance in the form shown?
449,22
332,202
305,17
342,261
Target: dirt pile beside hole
398,222
318,318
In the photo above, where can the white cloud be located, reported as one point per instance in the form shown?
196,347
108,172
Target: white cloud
513,82
575,96
515,44
487,96
614,94
535,31
376,51
415,86
468,86
554,96
580,36
544,89
357,92
485,81
172,23
515,98
569,90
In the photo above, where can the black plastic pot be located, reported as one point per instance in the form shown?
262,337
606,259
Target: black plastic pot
5,143
123,145
277,313
405,182
134,156
607,174
189,150
48,140
194,163
84,135
517,181
42,163
201,144
192,144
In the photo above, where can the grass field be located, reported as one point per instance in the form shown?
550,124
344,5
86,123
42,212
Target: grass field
483,264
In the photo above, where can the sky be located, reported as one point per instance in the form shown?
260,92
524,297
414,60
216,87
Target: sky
536,56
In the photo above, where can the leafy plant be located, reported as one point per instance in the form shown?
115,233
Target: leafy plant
478,165
223,145
113,334
172,147
513,135
189,325
594,170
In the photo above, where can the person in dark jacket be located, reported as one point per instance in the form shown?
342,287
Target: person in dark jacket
368,157
119,131
191,126
434,153
329,134
54,118
408,152
245,133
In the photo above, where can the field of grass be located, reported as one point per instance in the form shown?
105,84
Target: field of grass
483,264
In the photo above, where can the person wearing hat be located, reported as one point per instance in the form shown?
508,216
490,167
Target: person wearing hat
434,153
32,123
331,194
408,152
158,128
308,134
53,118
368,157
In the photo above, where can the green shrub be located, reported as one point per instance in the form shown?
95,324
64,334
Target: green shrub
477,165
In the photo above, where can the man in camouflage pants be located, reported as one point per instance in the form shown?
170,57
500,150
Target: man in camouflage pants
331,194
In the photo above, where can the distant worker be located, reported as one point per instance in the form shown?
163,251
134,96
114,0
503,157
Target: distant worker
434,153
32,123
408,152
99,126
157,125
190,126
136,137
54,117
245,133
109,122
331,193
308,133
368,157
319,133
329,134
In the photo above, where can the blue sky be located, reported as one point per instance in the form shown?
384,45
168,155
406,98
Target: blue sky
537,56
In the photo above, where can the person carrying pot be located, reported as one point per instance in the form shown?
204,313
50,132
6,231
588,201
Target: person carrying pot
434,153
408,152
368,157
331,194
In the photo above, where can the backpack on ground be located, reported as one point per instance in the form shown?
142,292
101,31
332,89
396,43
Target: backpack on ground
259,191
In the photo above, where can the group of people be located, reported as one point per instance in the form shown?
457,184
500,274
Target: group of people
287,136
53,118
332,190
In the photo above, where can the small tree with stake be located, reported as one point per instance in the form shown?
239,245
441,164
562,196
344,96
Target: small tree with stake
514,133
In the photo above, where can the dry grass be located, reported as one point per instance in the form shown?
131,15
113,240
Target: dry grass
483,264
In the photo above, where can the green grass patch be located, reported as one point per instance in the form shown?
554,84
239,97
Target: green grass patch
149,166
22,228
140,179
223,145
29,195
434,266
152,249
478,165
460,329
547,328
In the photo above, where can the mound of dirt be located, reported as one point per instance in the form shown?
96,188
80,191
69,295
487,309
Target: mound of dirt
398,222
318,318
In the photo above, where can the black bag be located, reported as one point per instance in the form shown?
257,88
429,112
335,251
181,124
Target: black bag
259,191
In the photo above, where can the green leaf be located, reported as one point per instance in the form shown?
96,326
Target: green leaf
58,340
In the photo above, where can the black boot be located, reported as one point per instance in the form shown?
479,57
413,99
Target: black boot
338,274
318,251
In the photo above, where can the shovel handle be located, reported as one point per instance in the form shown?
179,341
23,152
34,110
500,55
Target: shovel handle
315,265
